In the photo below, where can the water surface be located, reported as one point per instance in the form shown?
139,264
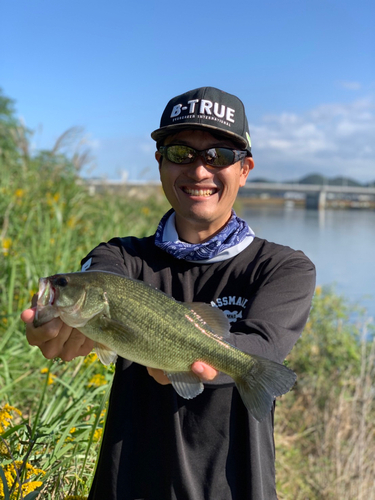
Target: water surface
341,243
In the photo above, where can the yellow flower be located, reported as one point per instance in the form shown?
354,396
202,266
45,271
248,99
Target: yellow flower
51,376
19,193
51,199
6,243
97,434
3,449
6,416
97,380
72,431
31,470
145,210
10,475
31,486
9,479
90,358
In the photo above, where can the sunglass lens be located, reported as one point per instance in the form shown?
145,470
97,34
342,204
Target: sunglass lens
220,157
217,157
180,154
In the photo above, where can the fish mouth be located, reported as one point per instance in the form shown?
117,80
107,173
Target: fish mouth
46,293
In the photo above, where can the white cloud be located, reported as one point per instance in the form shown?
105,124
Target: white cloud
350,85
133,154
332,139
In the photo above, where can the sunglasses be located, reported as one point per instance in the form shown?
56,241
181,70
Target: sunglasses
217,157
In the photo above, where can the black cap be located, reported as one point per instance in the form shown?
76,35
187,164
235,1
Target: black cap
208,109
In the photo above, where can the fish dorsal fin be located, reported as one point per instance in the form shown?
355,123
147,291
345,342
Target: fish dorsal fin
215,318
105,355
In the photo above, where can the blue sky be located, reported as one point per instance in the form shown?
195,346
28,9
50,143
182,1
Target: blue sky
305,71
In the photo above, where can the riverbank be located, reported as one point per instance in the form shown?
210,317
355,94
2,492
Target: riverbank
254,194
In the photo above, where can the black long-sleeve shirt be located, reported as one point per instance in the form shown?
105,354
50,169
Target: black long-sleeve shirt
159,446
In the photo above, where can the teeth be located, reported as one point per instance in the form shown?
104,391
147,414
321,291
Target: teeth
199,192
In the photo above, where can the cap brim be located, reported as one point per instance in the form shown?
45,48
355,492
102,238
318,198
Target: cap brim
163,132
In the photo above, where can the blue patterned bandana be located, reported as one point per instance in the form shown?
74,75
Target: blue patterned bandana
231,240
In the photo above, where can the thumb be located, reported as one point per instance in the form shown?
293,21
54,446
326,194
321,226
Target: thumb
204,371
28,315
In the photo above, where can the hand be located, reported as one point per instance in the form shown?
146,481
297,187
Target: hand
55,338
205,372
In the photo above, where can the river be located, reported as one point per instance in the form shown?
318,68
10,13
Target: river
341,243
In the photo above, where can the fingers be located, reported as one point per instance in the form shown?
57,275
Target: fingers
55,338
158,375
67,344
76,345
204,371
45,333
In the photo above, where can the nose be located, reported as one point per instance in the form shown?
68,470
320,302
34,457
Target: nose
199,170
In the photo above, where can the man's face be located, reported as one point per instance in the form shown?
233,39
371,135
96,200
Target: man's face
201,195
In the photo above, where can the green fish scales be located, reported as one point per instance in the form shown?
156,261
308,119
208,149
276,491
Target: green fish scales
129,318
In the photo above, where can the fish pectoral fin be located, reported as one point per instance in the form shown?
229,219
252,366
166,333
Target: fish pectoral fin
112,325
186,384
105,355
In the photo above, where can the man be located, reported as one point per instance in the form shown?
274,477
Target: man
156,445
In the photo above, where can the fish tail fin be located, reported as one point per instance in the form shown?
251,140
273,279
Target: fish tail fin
264,381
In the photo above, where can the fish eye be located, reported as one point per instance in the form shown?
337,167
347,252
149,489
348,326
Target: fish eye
61,282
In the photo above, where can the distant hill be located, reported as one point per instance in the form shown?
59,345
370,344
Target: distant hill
260,179
321,180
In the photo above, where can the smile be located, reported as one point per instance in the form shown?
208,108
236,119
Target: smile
199,192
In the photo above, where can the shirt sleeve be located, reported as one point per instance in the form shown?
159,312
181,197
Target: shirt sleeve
277,312
105,257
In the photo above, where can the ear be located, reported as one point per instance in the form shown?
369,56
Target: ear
248,165
159,158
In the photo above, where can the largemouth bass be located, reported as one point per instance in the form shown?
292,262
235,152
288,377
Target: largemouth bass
129,318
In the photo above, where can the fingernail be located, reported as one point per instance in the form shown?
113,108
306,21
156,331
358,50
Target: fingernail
198,368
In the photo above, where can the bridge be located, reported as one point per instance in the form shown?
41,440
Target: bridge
311,195
315,195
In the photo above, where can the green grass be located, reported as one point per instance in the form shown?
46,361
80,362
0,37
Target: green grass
52,413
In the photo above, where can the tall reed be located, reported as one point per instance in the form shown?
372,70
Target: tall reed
325,428
51,413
